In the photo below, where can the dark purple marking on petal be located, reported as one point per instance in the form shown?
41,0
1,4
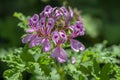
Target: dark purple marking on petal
63,36
42,23
58,13
55,37
35,18
30,23
64,11
50,25
48,10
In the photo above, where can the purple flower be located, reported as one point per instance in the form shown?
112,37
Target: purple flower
63,36
55,37
59,37
35,18
33,21
79,28
33,39
42,22
54,25
50,25
58,14
60,54
67,14
48,10
64,11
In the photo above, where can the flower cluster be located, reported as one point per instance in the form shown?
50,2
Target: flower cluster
55,25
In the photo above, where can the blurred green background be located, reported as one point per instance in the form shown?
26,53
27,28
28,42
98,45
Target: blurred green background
101,19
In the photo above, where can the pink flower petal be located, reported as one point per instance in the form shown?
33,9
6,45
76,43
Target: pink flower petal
64,11
63,36
27,38
55,37
48,10
42,23
71,12
42,14
76,45
35,41
30,30
69,17
60,54
46,45
30,22
54,52
78,25
32,44
58,13
35,18
79,28
50,25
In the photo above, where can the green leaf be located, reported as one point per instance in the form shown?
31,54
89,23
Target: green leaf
96,68
104,75
71,67
26,57
13,61
44,59
37,72
87,55
12,74
117,70
54,74
24,20
84,69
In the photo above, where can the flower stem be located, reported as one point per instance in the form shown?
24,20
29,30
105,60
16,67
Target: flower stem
60,71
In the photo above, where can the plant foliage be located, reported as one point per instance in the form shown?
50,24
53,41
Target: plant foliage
95,63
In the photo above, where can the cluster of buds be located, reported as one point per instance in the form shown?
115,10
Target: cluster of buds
55,25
